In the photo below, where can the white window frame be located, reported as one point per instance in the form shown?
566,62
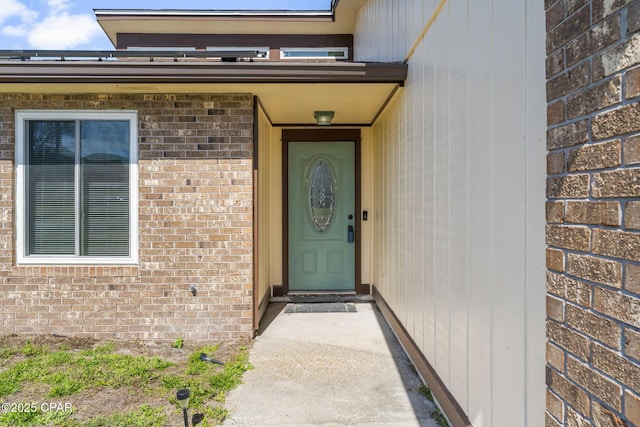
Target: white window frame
22,116
283,50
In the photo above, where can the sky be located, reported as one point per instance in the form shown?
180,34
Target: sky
71,24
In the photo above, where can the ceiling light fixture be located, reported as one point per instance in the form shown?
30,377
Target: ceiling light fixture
323,118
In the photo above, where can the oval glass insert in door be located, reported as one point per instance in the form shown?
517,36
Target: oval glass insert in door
321,191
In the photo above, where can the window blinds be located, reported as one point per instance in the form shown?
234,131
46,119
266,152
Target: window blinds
78,188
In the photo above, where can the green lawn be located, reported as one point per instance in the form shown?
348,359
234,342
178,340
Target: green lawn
71,383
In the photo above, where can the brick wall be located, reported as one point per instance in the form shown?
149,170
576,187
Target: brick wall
593,212
195,227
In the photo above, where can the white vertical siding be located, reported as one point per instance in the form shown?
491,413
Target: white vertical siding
534,163
402,20
458,188
480,224
459,203
509,303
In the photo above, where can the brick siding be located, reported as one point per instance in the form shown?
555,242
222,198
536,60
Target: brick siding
195,227
593,213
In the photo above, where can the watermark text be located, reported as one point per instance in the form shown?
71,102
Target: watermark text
36,407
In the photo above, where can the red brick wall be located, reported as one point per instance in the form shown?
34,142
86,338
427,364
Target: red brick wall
593,213
195,228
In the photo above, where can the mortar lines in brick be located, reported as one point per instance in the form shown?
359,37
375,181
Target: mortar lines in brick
135,302
613,300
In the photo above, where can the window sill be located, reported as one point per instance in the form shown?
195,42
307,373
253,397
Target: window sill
93,261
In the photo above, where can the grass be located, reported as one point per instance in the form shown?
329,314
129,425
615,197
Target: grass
67,373
48,373
143,417
426,392
35,418
437,413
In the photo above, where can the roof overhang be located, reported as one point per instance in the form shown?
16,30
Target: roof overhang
290,93
340,19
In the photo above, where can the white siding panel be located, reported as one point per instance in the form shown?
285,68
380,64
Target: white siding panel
427,91
459,205
441,200
535,113
509,303
408,228
458,36
481,221
387,29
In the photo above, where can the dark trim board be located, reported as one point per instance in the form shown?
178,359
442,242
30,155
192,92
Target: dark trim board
278,291
256,128
256,252
313,125
447,402
256,228
363,289
138,72
318,135
262,307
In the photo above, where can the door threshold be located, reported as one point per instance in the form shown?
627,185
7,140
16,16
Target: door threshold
320,297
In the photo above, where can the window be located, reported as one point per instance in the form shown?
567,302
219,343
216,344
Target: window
261,52
160,49
76,187
314,52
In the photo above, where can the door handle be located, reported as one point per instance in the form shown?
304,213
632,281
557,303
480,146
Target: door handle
350,234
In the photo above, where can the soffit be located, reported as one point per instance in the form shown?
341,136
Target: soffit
285,104
342,21
289,93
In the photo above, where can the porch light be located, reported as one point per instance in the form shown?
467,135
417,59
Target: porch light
183,400
323,118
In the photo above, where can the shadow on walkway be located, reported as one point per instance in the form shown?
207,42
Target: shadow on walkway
329,369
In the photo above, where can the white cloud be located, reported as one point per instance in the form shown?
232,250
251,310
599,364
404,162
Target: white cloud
46,24
59,5
63,31
15,8
15,30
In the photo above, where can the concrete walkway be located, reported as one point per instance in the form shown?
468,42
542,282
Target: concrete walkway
328,369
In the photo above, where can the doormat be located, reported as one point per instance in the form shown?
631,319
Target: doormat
321,307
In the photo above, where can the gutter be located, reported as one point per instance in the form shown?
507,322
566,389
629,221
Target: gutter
77,72
185,13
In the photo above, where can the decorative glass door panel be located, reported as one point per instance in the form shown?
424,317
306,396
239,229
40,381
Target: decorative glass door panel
321,216
321,189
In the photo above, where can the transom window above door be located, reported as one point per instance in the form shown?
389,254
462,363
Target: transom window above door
76,198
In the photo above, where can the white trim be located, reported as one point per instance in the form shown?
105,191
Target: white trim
21,117
344,50
200,13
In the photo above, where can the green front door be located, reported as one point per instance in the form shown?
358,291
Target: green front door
321,216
